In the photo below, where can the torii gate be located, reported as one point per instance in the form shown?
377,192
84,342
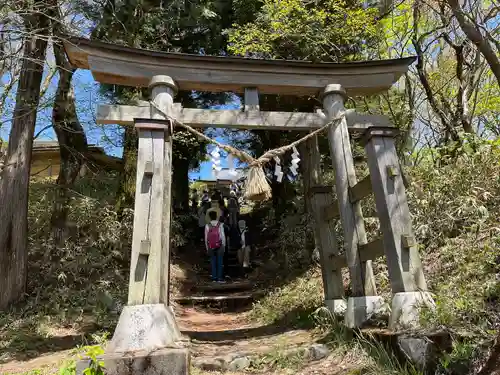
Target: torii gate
147,326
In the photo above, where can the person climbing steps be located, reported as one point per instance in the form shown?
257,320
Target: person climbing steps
215,243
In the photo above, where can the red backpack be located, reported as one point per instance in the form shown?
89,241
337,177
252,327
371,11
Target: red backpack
213,237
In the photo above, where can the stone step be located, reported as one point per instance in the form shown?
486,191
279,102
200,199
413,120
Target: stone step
214,299
235,285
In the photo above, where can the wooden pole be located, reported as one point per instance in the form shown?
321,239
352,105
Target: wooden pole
321,196
362,278
163,90
149,273
403,259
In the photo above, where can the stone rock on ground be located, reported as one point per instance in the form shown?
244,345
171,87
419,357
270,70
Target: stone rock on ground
419,350
318,351
208,364
239,362
164,361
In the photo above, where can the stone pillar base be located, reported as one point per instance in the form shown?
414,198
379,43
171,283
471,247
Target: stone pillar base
362,309
406,308
144,327
336,306
147,341
166,361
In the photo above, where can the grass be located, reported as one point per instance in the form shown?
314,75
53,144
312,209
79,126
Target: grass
292,303
74,292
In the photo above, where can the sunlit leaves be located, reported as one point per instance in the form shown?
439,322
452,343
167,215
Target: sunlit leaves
332,30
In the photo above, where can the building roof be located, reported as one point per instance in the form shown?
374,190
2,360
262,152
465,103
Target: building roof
94,154
54,146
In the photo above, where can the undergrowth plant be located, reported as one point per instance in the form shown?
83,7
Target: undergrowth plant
96,365
291,304
455,206
79,287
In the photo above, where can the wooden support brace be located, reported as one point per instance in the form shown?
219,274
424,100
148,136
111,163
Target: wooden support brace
331,211
403,259
145,247
351,216
251,99
327,246
392,171
148,168
408,241
367,252
361,190
372,250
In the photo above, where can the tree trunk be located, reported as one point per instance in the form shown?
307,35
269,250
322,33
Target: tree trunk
181,185
14,182
474,35
126,188
72,143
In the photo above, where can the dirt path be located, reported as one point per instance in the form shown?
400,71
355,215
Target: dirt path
212,334
227,335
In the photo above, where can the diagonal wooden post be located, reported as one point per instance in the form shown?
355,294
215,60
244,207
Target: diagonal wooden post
317,197
351,216
401,250
321,197
364,301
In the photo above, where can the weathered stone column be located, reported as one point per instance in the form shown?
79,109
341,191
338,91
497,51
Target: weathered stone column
147,339
365,299
401,250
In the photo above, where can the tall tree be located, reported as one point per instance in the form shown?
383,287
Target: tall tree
15,175
450,90
71,138
192,27
472,23
328,31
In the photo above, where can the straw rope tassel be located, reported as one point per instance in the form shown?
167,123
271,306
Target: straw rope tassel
257,187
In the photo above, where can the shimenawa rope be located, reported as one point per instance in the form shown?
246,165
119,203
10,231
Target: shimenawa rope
257,188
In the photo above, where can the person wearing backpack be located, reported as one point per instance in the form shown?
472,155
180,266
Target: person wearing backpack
215,243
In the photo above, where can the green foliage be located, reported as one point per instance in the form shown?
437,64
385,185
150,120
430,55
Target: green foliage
455,208
96,365
458,361
68,368
292,303
81,286
331,30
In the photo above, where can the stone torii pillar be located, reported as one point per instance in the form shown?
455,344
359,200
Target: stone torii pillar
147,339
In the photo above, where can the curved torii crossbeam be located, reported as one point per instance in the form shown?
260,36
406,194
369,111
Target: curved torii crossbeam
127,66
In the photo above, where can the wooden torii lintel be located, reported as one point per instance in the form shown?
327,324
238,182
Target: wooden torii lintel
237,119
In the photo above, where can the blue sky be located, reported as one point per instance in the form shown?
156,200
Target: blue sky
87,97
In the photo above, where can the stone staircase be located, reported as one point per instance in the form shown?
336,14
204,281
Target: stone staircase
235,294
